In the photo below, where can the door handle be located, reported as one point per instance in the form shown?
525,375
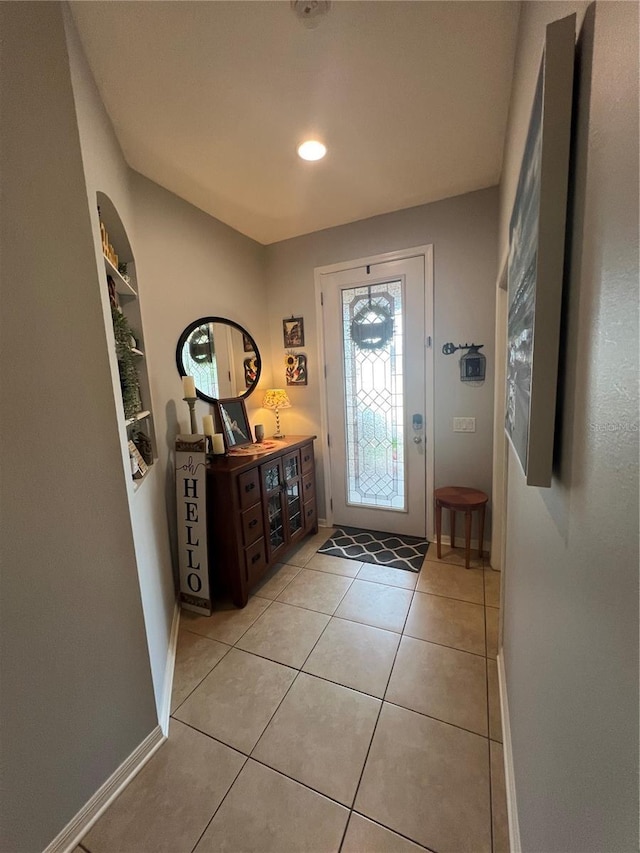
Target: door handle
417,439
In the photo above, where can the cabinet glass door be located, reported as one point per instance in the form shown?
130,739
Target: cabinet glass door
293,493
273,483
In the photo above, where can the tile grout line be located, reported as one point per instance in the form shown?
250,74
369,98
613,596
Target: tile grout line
216,810
373,733
395,831
206,675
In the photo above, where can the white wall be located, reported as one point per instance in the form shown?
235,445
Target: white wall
463,231
77,695
106,171
190,265
571,575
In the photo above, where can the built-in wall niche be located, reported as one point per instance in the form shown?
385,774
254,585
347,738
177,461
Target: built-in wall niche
121,284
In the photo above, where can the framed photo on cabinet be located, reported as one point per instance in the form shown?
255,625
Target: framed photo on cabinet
234,421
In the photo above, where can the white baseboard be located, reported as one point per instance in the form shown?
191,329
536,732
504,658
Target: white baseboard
78,826
509,775
165,711
322,522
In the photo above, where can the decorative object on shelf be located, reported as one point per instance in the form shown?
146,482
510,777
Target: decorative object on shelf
473,364
134,453
259,432
217,442
129,382
276,399
250,371
296,368
293,332
113,293
235,423
211,349
107,249
191,500
372,322
536,260
143,443
122,269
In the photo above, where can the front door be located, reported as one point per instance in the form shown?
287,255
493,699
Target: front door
377,355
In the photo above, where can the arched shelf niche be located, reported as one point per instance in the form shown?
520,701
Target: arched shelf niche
124,305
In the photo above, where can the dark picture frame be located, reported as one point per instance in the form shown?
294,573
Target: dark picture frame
234,422
536,261
293,332
296,368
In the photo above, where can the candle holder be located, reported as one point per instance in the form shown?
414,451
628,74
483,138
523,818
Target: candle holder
191,402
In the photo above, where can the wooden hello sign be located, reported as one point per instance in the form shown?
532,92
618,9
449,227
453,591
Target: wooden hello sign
191,502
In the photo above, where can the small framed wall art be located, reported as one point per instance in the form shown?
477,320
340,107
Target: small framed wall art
293,332
296,368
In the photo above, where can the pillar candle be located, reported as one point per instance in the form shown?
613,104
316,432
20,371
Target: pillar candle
218,443
207,425
188,386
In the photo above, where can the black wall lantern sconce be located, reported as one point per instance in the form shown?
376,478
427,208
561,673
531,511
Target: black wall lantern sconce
473,364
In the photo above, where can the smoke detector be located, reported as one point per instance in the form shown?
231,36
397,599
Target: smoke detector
310,12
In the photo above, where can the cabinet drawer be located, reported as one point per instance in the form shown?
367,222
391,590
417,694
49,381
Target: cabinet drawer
307,458
252,528
255,561
249,488
310,515
308,487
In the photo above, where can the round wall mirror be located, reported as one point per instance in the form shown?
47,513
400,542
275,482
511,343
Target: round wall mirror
221,356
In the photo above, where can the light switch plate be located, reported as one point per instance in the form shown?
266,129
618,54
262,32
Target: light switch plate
464,424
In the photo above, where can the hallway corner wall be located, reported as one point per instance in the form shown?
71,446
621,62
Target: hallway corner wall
571,573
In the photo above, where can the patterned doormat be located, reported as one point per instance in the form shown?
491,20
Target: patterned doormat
383,549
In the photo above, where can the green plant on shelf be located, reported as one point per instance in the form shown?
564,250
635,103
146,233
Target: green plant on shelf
129,382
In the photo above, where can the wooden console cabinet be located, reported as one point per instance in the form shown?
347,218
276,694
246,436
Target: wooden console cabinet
258,508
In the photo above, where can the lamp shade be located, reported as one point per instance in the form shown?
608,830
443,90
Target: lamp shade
276,398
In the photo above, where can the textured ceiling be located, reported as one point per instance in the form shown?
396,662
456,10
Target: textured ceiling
210,99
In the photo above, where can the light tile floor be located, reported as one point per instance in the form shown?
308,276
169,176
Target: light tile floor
347,708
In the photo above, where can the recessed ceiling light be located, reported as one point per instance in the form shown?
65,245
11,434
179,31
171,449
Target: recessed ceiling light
312,150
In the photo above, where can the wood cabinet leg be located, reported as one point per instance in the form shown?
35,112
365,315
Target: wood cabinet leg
438,528
452,525
467,538
481,535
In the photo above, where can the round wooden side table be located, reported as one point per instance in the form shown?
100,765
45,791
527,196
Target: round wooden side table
460,499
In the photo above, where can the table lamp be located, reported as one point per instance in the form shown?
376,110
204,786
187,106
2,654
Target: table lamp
276,398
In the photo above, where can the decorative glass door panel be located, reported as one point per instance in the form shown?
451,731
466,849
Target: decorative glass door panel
273,485
276,522
294,508
375,344
293,494
372,345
